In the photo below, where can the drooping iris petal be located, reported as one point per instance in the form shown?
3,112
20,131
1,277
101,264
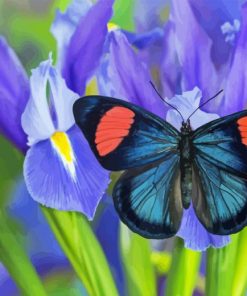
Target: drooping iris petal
146,39
36,119
193,48
14,94
235,91
195,236
130,78
85,48
191,230
62,173
65,25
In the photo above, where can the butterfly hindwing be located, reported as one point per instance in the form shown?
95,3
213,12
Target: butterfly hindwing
123,135
148,199
220,172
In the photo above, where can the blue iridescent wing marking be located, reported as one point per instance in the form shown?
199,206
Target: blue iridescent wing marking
148,199
220,174
123,135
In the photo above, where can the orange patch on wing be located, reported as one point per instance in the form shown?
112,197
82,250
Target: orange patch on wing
112,128
242,127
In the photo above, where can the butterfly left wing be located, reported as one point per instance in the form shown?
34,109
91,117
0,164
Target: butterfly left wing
148,198
123,135
220,174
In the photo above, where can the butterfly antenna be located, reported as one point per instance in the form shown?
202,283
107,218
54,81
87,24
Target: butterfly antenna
205,103
165,100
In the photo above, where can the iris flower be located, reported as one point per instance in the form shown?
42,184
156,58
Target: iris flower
59,169
123,67
191,65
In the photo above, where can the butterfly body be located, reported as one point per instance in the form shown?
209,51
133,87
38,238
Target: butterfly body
166,170
186,157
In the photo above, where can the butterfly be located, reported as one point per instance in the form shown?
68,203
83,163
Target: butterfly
165,170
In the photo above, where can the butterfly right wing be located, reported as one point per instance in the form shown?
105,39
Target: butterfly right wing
148,199
220,174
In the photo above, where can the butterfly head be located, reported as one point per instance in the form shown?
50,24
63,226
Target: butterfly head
186,127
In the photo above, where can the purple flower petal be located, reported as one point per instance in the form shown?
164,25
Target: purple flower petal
86,46
235,91
53,184
193,47
211,15
195,236
65,24
130,78
14,93
36,119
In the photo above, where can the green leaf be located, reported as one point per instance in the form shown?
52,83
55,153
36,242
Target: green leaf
17,262
239,281
227,269
183,274
136,254
80,245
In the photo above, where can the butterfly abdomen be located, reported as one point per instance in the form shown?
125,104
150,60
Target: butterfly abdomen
186,169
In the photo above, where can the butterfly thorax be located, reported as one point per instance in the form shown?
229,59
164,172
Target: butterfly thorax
186,152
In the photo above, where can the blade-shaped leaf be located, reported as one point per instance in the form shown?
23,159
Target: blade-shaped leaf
80,245
17,262
184,270
136,254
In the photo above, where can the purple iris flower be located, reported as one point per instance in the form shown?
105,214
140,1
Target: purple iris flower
59,169
129,79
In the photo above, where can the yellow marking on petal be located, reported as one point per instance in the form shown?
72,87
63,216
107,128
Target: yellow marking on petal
112,27
92,87
62,143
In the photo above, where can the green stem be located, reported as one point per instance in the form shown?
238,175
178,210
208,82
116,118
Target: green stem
220,269
17,262
80,245
184,271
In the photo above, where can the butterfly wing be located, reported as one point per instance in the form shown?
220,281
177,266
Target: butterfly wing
148,199
123,135
220,174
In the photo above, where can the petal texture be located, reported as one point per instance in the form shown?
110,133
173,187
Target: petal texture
65,25
14,94
36,119
195,236
53,184
129,76
86,47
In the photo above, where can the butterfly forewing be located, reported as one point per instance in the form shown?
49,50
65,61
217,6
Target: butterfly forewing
220,172
123,135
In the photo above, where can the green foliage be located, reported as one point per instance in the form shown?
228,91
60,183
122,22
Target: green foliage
136,255
183,274
227,268
80,245
16,261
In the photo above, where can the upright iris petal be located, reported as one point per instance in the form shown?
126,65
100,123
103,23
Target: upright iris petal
59,169
14,93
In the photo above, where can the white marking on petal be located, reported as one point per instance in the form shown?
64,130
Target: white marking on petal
230,30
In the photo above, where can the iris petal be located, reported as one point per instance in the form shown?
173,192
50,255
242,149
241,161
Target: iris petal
14,94
50,182
36,119
85,48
